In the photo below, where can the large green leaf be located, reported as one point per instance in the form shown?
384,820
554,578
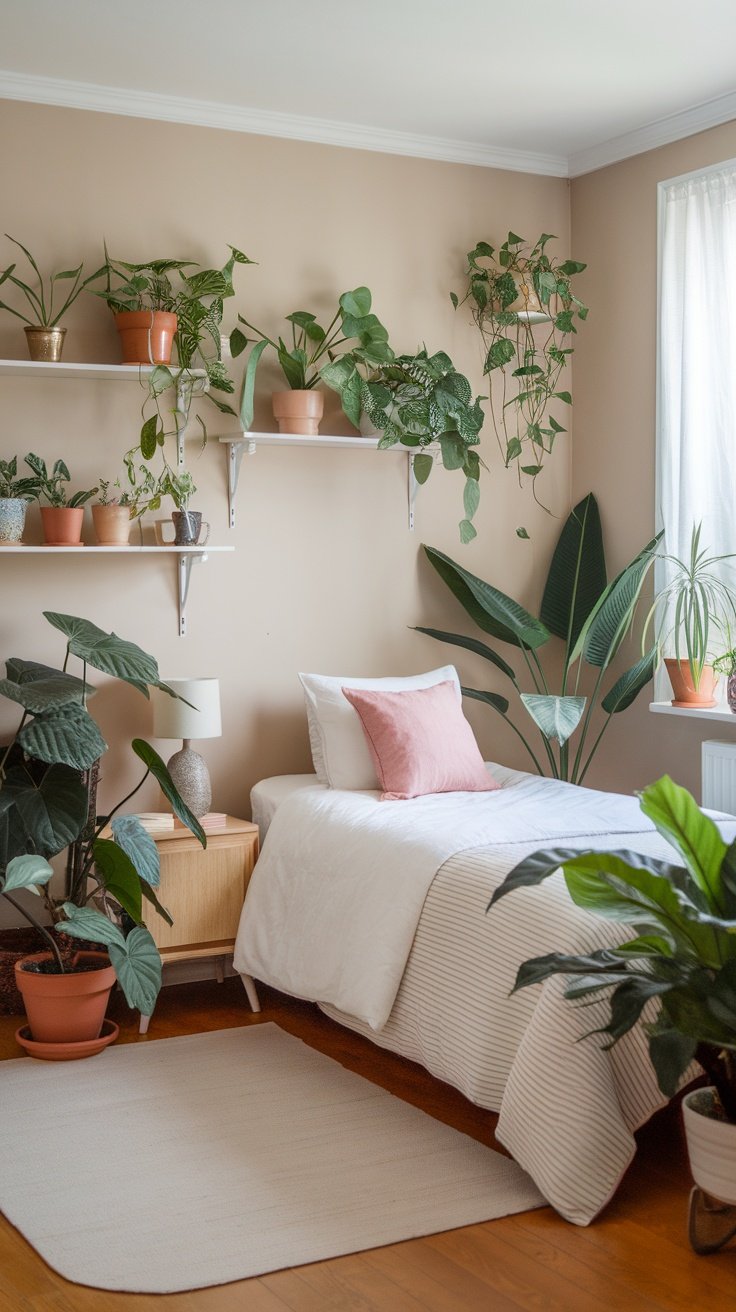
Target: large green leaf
67,735
671,1053
138,968
39,687
607,625
557,717
470,644
45,817
139,846
247,397
494,699
492,610
106,651
626,689
26,872
86,923
533,870
118,876
577,573
152,760
680,820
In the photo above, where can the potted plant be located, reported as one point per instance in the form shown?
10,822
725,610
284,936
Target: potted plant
111,516
299,408
63,516
44,336
180,486
681,956
590,616
47,799
15,493
524,308
694,603
420,401
725,663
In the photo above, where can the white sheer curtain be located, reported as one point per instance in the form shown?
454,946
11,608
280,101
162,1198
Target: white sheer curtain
696,402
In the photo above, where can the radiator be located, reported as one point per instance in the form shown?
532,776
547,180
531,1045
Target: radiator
718,769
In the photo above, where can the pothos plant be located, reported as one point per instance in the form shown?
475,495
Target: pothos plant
524,308
419,401
47,806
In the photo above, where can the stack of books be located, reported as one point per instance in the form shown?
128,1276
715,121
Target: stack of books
156,819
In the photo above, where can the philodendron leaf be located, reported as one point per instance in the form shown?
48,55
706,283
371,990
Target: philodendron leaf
138,845
84,922
48,816
106,651
118,876
25,872
152,760
557,717
66,736
49,683
422,468
138,968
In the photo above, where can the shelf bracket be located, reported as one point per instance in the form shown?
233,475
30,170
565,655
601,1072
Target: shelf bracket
413,488
247,446
185,563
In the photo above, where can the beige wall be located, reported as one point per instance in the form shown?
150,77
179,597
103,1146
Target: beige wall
614,213
324,576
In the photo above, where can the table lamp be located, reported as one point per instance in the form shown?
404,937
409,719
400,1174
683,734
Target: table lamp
173,718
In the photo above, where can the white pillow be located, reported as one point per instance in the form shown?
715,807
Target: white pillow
339,749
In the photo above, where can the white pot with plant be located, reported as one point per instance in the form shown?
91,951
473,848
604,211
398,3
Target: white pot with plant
299,409
15,493
44,336
63,517
680,957
694,606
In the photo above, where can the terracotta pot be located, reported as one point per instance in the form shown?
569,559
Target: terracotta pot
112,525
62,525
682,685
12,520
45,344
146,336
68,1008
298,411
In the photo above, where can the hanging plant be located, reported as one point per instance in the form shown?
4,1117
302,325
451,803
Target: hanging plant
524,308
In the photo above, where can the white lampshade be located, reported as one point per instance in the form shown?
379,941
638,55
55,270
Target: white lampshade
172,718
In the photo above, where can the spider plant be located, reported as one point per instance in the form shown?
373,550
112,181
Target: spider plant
40,298
694,603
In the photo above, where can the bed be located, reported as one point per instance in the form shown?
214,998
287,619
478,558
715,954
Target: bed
377,911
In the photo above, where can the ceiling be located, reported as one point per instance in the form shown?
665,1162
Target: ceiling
556,88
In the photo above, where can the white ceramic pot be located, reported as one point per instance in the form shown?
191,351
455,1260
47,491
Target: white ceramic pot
711,1145
12,520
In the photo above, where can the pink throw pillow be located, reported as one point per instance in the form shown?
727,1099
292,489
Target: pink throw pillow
420,742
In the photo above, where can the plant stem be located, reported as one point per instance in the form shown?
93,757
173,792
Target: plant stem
41,929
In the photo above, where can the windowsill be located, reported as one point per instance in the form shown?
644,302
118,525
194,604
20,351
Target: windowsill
720,714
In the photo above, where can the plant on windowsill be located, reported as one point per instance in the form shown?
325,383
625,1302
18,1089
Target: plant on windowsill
15,493
419,401
682,953
44,336
47,803
591,617
693,604
63,516
313,349
524,308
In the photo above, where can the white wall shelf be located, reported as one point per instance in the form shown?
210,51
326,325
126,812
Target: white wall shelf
106,372
240,444
187,557
719,714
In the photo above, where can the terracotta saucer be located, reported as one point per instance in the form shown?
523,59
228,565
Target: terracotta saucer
67,1051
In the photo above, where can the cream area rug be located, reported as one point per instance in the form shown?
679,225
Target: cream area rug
179,1163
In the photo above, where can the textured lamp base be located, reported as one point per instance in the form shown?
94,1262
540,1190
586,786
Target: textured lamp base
191,777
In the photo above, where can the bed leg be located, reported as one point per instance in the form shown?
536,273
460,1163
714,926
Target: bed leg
250,988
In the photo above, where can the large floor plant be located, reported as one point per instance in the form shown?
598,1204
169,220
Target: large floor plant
47,775
590,616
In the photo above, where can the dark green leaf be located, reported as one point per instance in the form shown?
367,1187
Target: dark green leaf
470,644
118,876
67,736
694,835
627,688
149,440
422,468
46,817
106,652
494,699
499,354
610,619
492,610
577,573
153,762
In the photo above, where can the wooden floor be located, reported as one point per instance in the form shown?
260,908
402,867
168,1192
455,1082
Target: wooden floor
635,1258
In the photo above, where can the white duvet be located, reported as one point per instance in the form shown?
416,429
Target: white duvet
378,912
336,895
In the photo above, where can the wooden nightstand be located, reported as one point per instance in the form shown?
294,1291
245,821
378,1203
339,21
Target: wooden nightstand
204,890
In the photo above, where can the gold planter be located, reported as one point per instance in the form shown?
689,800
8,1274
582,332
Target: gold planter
45,344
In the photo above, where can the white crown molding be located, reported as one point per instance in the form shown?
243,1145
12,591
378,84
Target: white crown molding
660,133
268,123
